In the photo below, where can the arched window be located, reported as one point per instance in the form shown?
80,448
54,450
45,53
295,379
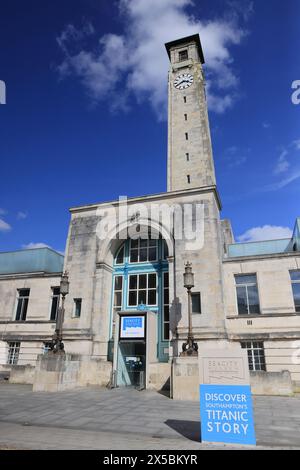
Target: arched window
142,251
119,259
141,281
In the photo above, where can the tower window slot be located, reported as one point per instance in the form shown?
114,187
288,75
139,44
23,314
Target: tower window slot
183,55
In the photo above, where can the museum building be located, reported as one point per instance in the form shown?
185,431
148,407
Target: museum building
126,313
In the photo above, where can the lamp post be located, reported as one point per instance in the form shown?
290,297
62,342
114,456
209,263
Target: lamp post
57,344
190,348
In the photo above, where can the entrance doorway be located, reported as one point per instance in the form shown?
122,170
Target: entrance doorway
131,370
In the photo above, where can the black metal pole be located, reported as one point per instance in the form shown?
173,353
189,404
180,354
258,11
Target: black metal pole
190,348
57,344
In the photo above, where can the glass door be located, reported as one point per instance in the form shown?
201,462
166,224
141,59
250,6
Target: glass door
131,364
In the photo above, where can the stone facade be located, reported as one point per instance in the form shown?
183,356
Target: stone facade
90,260
189,141
278,325
37,329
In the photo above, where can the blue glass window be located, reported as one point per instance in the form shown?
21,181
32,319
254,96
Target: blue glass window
142,289
256,355
247,294
54,303
141,280
22,304
142,251
295,278
120,255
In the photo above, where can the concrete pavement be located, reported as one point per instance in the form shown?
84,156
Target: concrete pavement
126,419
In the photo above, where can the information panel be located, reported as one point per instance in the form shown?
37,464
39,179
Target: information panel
132,327
227,414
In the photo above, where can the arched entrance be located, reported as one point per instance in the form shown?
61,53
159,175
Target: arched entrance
140,282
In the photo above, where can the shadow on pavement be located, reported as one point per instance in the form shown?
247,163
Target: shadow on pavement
188,429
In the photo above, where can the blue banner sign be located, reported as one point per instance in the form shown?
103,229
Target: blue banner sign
132,327
227,414
132,322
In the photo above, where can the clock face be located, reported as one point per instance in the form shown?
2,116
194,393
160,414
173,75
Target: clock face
183,81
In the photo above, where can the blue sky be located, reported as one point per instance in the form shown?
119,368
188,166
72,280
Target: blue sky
85,115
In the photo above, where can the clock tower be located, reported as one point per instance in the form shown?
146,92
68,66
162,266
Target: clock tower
190,160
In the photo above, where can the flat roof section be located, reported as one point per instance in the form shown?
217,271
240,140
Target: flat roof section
30,261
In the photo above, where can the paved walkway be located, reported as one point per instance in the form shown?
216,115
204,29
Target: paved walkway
125,419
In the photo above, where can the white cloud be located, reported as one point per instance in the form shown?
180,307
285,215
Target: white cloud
236,157
293,176
242,7
22,215
136,61
267,232
232,150
282,164
239,160
4,226
266,125
297,144
70,33
31,246
287,168
219,104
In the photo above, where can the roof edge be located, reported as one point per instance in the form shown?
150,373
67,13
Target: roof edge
22,250
177,42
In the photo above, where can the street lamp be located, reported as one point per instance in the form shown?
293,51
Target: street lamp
57,344
190,348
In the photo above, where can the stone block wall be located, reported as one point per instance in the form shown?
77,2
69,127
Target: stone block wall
59,372
271,383
22,374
